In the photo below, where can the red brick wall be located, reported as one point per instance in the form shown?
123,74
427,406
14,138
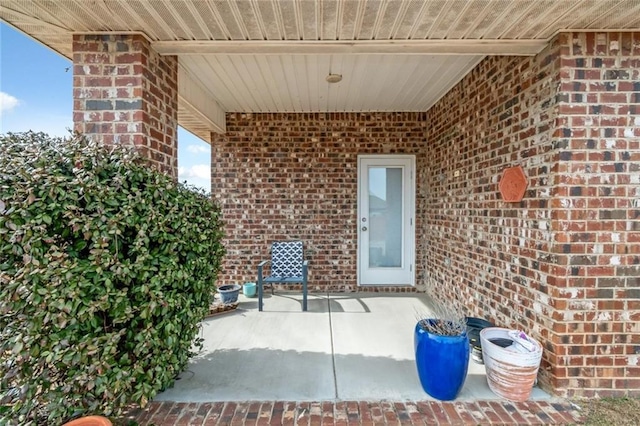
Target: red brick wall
294,176
598,214
124,92
563,263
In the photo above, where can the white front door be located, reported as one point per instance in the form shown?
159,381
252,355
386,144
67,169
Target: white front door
386,235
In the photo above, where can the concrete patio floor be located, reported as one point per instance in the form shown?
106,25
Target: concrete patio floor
347,347
348,361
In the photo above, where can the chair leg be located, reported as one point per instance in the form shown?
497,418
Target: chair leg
305,273
260,288
304,296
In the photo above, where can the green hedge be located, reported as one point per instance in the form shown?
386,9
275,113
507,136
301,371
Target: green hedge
106,270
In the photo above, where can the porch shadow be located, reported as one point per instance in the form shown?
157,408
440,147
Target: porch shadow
254,375
317,302
265,374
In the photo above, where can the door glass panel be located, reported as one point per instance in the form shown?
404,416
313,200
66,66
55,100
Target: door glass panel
385,217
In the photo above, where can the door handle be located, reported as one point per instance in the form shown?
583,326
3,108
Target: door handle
364,228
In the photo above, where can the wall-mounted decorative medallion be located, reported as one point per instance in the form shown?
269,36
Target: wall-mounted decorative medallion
513,184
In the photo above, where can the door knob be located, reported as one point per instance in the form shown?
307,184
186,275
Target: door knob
364,228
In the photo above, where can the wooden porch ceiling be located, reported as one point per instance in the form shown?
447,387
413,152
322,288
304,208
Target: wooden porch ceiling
274,55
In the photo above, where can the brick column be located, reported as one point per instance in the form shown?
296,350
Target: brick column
124,92
596,293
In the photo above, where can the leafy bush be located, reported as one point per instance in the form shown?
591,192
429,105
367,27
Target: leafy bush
106,270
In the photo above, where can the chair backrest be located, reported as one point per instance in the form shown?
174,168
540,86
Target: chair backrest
286,259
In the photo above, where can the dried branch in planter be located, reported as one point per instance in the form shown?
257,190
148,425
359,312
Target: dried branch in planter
443,327
444,319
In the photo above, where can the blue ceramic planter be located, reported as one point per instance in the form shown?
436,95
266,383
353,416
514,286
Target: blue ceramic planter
442,363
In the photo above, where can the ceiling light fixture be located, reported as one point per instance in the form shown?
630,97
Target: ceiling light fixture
334,78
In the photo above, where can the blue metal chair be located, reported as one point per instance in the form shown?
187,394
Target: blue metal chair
287,267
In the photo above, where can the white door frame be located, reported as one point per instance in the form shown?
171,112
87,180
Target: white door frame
404,275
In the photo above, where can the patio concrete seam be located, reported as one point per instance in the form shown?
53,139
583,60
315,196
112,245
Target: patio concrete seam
333,352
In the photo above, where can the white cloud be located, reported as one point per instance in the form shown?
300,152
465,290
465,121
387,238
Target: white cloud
197,171
198,175
7,102
199,149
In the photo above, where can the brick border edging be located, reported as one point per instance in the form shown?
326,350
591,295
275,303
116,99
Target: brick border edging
356,413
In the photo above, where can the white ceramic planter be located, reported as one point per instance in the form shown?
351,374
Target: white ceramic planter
511,374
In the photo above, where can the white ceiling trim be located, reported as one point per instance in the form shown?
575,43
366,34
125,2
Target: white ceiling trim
297,83
35,21
364,47
199,101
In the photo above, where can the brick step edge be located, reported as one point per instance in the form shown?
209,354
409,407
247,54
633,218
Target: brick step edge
356,413
218,308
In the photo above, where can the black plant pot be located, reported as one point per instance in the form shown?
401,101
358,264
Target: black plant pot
474,327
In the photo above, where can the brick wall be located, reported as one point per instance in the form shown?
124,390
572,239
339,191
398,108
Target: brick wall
598,214
294,176
124,92
563,263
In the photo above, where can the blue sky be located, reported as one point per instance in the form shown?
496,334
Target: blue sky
36,93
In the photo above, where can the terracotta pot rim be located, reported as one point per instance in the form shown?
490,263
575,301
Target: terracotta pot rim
90,421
